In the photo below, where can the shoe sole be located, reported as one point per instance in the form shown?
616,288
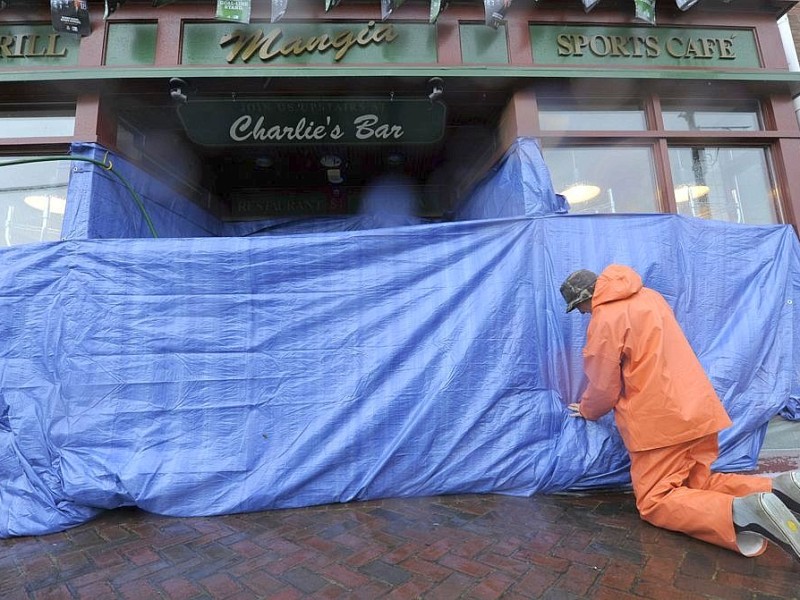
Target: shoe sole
786,524
790,504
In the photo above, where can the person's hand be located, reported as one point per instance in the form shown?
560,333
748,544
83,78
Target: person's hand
574,410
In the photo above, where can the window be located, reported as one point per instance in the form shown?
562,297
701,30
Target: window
568,115
604,179
32,200
18,122
717,150
728,184
743,116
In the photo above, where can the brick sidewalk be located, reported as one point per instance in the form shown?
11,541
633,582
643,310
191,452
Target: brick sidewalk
471,546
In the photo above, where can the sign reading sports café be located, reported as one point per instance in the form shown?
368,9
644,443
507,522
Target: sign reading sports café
629,46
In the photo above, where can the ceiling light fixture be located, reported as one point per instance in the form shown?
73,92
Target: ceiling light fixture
580,192
47,204
330,161
684,193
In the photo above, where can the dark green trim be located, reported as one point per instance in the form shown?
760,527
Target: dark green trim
499,72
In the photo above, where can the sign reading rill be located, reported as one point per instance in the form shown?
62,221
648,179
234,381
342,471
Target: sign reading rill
290,121
31,45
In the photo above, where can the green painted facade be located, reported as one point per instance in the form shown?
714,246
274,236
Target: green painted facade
131,44
483,45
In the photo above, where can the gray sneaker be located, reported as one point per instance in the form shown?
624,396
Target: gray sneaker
786,486
765,515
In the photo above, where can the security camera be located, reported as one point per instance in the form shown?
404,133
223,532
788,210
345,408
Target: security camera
177,90
437,88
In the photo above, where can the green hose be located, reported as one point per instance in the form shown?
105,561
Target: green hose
107,167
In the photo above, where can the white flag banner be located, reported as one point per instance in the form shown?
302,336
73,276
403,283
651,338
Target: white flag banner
111,8
278,10
589,4
495,12
329,4
685,4
646,11
437,8
388,7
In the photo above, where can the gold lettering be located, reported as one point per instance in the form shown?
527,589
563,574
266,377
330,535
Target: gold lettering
364,36
671,47
564,43
294,46
618,45
597,49
708,47
266,52
5,42
30,47
653,49
726,49
245,46
385,33
312,43
240,39
18,47
343,43
693,50
52,43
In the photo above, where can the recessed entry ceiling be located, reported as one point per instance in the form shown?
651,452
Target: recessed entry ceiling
473,108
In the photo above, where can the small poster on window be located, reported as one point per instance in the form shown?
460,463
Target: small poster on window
71,16
4,3
589,4
237,11
329,4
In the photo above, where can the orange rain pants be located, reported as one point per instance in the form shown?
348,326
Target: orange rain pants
675,489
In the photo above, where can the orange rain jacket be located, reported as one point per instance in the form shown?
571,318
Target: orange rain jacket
639,363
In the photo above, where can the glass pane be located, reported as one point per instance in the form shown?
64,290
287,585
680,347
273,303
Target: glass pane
37,123
567,116
727,184
613,178
32,200
731,118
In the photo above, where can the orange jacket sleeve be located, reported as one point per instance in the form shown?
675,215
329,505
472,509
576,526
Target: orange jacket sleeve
604,388
602,364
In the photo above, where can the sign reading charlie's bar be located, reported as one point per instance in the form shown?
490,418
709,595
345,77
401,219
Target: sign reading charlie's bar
306,121
639,46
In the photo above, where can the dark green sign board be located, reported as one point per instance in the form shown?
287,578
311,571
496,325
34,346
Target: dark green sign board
293,122
644,46
36,46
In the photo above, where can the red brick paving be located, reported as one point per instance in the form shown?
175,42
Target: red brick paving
478,547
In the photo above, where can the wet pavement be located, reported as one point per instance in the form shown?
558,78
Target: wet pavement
471,546
467,546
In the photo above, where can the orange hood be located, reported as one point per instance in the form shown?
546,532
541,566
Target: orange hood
616,282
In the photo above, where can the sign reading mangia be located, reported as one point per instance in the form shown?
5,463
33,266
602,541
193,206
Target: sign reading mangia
306,121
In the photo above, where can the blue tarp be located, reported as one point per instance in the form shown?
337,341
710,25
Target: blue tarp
214,375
